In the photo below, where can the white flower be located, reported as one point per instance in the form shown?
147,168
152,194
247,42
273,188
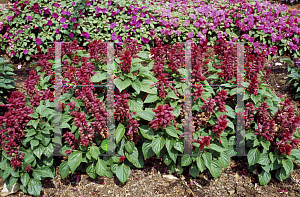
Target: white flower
20,66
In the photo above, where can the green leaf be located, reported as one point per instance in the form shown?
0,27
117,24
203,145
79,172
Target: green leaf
194,171
136,85
200,163
179,145
120,131
90,170
146,115
186,160
265,144
216,168
139,162
143,55
74,160
217,148
145,87
136,104
101,167
207,158
34,187
100,76
281,174
44,172
158,144
25,178
288,165
129,146
151,98
28,158
225,159
264,178
147,131
123,173
147,149
172,95
253,156
171,131
169,143
136,60
38,151
122,85
95,152
264,159
133,156
34,143
64,169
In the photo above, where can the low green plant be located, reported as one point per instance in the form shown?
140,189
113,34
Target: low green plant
6,81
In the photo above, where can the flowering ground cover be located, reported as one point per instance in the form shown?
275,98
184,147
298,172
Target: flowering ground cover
149,109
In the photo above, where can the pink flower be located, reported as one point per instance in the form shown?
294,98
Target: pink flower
55,15
71,35
49,22
26,26
25,51
9,18
113,36
145,39
73,3
113,25
147,21
39,41
204,31
190,35
28,18
57,31
73,20
68,152
64,26
62,20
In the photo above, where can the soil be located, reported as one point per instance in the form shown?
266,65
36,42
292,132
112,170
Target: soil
151,180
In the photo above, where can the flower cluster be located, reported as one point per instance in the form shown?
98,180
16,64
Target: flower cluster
205,141
14,121
163,117
249,114
71,140
198,93
126,61
122,107
132,129
220,127
163,84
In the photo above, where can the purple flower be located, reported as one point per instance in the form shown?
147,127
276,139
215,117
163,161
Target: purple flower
109,2
113,36
152,32
64,26
26,26
142,14
56,5
9,18
38,41
71,35
88,4
62,20
57,31
49,22
55,15
178,32
29,18
73,3
25,51
20,31
73,20
197,24
113,25
204,31
190,35
251,39
145,39
147,21
193,16
85,34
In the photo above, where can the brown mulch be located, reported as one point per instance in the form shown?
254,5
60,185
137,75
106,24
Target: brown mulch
149,181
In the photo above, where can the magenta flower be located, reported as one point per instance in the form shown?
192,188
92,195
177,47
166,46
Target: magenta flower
145,39
88,4
73,3
152,32
26,26
49,22
147,21
73,20
113,25
190,35
85,34
193,16
26,2
39,41
56,5
20,31
178,32
25,51
64,26
113,36
71,35
55,15
57,31
204,31
197,24
9,18
29,18
62,20
251,39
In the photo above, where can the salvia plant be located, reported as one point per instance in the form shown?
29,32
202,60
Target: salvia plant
6,81
294,76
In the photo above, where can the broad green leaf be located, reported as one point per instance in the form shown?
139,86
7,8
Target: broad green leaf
281,174
34,187
146,115
74,160
90,170
200,164
120,131
264,159
265,144
95,152
44,172
194,172
217,148
172,95
136,85
288,165
207,158
158,144
100,76
135,104
123,173
64,169
171,131
25,178
216,168
147,131
129,146
147,149
132,157
253,156
38,151
264,178
101,167
122,85
224,159
186,160
151,98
